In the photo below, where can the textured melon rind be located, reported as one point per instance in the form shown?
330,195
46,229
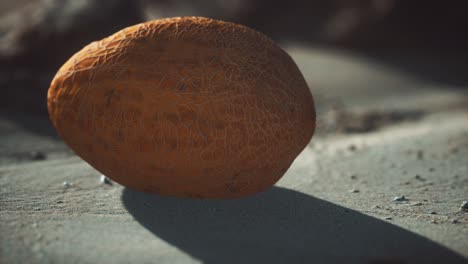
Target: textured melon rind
188,106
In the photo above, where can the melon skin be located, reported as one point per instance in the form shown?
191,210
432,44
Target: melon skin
186,106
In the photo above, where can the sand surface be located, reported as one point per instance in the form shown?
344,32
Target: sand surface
381,134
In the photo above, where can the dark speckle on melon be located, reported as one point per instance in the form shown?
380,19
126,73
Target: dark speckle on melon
188,106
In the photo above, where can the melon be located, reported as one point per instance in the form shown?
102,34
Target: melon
185,106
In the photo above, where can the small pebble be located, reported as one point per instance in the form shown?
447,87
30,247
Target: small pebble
431,169
66,184
418,177
105,180
417,204
433,213
354,191
37,155
399,198
388,218
455,221
464,206
353,177
352,147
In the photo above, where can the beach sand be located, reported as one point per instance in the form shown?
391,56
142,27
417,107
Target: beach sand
382,181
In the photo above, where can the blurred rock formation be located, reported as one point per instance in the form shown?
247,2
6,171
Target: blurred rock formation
38,36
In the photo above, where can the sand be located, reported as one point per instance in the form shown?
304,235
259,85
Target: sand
334,205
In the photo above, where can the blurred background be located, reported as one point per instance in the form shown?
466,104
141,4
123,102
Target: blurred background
425,39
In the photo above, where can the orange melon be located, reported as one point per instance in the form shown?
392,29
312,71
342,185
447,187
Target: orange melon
186,106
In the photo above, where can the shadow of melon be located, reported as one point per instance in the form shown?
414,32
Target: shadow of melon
279,226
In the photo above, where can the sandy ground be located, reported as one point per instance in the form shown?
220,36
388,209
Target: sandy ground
381,134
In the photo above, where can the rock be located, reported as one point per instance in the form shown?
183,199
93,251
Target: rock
464,206
400,199
38,155
104,180
36,38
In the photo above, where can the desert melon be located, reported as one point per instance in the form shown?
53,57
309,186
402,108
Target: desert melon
186,106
